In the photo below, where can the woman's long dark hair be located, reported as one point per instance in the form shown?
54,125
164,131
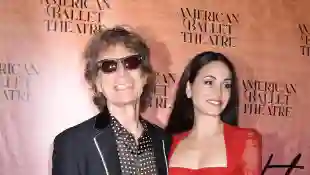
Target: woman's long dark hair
182,115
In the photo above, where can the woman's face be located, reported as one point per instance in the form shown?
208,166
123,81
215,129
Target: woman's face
120,79
211,88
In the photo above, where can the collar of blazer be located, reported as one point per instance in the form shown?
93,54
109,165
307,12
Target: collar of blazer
103,119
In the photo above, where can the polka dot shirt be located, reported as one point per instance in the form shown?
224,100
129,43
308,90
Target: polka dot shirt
135,159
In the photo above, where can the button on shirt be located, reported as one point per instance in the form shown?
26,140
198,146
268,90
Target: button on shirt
135,159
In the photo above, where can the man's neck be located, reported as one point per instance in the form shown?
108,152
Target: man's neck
128,116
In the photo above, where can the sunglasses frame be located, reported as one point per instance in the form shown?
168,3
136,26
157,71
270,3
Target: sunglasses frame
117,61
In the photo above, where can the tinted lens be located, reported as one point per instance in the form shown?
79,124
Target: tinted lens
108,66
132,62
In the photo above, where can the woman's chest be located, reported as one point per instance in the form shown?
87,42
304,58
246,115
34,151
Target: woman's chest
197,155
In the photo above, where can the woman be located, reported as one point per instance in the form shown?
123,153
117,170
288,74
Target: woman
204,122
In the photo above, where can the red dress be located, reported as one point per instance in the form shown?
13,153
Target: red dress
243,150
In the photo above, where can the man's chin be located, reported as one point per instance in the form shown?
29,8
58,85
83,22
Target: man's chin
126,102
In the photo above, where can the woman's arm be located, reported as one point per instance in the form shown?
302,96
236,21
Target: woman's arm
252,157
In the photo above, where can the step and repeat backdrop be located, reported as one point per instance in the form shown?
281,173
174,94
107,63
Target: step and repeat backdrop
43,91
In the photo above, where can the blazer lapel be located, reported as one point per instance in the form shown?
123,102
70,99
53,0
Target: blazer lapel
106,147
106,144
159,150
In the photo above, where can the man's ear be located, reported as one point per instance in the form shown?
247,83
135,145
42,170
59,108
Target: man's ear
98,84
144,79
188,90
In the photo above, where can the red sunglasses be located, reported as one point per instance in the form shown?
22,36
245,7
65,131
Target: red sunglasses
129,62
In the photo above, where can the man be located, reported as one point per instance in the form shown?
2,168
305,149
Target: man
116,141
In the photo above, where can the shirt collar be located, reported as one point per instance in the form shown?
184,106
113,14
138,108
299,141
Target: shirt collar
122,132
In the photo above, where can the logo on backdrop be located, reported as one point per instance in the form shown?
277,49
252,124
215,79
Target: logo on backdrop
304,39
16,80
201,26
74,16
268,98
289,167
160,93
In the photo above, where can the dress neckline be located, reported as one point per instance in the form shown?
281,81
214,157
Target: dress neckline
226,130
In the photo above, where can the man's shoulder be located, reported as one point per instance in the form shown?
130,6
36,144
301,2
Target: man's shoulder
155,127
77,132
161,132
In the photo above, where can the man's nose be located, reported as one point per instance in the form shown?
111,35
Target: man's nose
121,71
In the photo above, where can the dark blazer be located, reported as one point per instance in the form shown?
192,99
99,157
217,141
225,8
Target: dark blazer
90,149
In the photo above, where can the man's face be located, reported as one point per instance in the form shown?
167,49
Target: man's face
120,79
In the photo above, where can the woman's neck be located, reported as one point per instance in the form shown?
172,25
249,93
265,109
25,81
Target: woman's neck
206,126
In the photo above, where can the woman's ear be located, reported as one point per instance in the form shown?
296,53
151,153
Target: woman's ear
188,90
